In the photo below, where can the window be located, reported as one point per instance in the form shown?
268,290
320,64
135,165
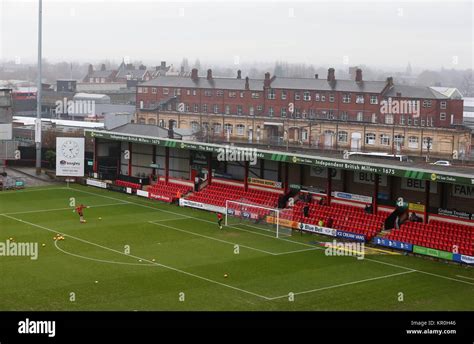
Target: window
297,95
427,143
187,107
271,112
374,118
196,107
227,109
177,91
216,108
139,90
312,113
413,142
388,118
331,98
415,121
251,111
283,95
204,107
240,129
306,96
384,139
323,97
188,92
374,100
239,109
283,112
402,120
195,126
370,139
208,93
194,92
346,98
166,91
153,90
255,95
426,103
304,135
145,89
232,94
342,136
259,108
242,94
271,94
443,105
343,116
359,99
217,128
331,114
442,116
409,120
398,140
317,97
220,93
228,128
360,116
422,122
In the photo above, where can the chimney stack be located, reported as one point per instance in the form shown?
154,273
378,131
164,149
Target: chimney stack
194,74
316,76
163,64
358,75
209,74
91,69
102,67
247,86
390,81
239,74
331,75
266,82
171,129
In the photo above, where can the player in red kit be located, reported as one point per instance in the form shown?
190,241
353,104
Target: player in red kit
80,212
219,220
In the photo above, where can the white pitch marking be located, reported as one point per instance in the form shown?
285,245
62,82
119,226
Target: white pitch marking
343,284
143,259
470,278
59,209
95,259
367,259
211,238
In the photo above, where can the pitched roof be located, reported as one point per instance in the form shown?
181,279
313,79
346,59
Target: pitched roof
143,130
134,73
202,82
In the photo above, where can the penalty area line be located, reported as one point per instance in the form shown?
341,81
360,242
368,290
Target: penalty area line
343,284
140,258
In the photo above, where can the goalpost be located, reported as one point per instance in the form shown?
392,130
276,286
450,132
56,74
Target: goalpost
256,217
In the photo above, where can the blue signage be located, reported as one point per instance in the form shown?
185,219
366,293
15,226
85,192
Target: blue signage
393,244
350,235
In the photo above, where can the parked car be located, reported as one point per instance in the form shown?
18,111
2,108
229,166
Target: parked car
441,163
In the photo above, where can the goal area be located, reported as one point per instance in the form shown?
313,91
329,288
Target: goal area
255,217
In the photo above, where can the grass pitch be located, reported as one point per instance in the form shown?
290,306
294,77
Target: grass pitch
136,254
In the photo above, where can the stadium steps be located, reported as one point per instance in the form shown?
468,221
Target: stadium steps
347,218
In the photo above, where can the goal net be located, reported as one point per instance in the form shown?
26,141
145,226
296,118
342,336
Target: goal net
255,217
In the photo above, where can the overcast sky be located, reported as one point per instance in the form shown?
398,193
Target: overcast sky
428,34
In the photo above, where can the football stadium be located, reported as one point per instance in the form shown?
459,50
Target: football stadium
276,231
